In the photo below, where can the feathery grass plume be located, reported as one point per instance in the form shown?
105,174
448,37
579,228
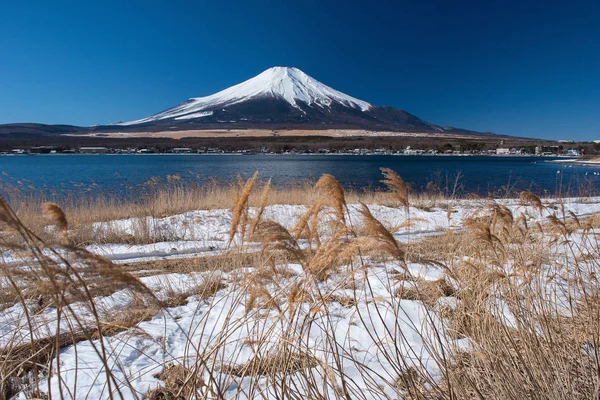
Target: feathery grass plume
241,203
522,222
261,207
326,259
502,224
274,237
558,225
240,182
362,246
56,215
11,220
530,198
376,230
298,294
302,223
481,232
398,189
521,226
333,192
409,223
259,297
502,215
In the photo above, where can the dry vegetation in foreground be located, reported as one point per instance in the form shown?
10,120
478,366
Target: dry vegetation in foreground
174,194
513,313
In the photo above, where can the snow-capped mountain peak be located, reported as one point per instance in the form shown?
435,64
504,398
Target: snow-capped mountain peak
292,85
286,83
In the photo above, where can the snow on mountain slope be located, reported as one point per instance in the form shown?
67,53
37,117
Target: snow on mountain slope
289,84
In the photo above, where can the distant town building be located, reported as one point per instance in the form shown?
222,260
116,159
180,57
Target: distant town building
538,150
93,150
182,150
42,149
502,151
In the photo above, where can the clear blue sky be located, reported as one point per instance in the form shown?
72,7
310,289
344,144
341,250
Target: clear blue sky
527,68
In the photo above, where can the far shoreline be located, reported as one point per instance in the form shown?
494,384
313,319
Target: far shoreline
553,158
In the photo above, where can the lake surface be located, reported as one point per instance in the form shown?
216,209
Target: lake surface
122,175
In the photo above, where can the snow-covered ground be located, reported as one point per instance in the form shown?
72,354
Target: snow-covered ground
220,331
200,232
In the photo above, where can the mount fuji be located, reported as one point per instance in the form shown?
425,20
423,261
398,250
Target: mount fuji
289,85
282,98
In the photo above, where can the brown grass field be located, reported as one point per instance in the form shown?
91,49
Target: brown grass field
215,133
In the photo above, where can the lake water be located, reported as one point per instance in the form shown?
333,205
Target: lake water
121,174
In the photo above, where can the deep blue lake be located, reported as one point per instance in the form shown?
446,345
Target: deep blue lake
120,175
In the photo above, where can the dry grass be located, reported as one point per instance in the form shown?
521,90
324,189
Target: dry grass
136,312
227,262
181,383
429,292
398,189
279,361
170,196
514,313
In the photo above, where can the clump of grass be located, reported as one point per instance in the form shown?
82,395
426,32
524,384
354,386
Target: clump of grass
22,358
209,287
277,361
181,383
429,292
346,301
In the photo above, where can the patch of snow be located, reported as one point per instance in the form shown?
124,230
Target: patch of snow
196,115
